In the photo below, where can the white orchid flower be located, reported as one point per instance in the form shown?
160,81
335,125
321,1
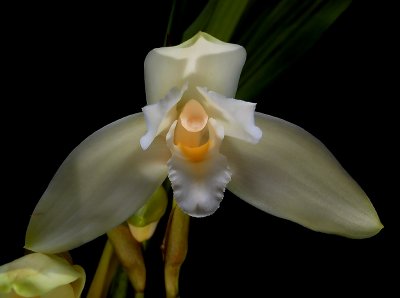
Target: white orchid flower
204,140
39,275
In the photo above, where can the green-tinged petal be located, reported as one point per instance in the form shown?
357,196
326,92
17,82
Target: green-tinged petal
38,274
100,184
202,61
291,174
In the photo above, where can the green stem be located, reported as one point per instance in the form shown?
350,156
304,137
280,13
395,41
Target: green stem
174,248
105,272
129,253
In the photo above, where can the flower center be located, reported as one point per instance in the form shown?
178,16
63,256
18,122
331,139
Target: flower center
193,116
191,132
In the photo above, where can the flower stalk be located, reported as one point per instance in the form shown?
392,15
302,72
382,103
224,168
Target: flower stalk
174,248
104,274
129,253
119,286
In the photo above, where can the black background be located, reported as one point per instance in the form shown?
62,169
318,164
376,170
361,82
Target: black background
73,69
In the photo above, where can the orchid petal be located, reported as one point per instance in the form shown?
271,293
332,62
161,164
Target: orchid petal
292,175
100,184
199,186
237,116
38,274
202,60
160,115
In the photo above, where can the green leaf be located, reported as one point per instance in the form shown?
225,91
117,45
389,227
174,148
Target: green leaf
218,18
170,23
281,34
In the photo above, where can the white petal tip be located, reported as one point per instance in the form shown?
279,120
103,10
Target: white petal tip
256,134
145,142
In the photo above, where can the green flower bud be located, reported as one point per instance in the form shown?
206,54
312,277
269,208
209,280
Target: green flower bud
152,211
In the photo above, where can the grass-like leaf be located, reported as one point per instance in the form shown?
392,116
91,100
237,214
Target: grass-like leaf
218,18
279,35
